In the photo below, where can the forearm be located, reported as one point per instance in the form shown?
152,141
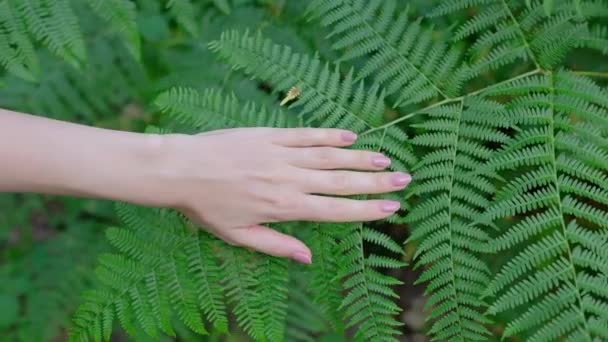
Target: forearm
48,156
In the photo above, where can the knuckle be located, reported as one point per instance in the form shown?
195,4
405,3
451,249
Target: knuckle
341,182
364,158
280,207
336,210
321,135
381,182
230,240
262,177
325,155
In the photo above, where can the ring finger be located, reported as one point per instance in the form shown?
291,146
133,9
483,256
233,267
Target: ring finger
331,158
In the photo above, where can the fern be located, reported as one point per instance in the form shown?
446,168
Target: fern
121,15
43,282
325,285
305,319
161,272
451,199
562,197
212,110
368,304
184,12
505,31
18,55
66,93
406,60
55,24
453,182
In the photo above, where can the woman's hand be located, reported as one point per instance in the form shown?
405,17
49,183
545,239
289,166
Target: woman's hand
232,181
229,181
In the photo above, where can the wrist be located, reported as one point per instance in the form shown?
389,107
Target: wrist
129,167
159,169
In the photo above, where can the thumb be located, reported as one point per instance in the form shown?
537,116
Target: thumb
269,241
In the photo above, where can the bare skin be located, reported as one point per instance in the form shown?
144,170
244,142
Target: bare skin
231,182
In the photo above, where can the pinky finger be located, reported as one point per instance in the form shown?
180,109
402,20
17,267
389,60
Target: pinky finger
270,241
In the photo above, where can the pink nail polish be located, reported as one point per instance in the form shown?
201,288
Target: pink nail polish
381,161
390,206
349,137
302,257
401,179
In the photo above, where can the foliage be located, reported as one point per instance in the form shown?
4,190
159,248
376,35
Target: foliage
488,103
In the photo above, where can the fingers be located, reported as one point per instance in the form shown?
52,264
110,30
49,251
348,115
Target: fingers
328,209
306,137
327,158
350,182
269,241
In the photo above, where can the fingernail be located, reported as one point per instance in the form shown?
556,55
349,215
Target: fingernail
302,257
349,136
381,161
390,206
401,179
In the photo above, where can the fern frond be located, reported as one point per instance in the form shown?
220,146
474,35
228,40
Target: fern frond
65,93
223,5
184,13
562,203
161,270
121,15
325,99
55,24
305,319
17,53
448,240
272,295
507,30
406,59
240,286
325,285
368,305
596,37
213,110
46,280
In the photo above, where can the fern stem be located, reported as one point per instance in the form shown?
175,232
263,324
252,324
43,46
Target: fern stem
412,114
451,230
520,31
452,100
592,74
518,77
560,207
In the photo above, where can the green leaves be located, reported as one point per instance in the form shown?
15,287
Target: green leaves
163,271
55,25
558,205
17,53
121,15
452,195
325,99
506,31
213,110
368,304
421,68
